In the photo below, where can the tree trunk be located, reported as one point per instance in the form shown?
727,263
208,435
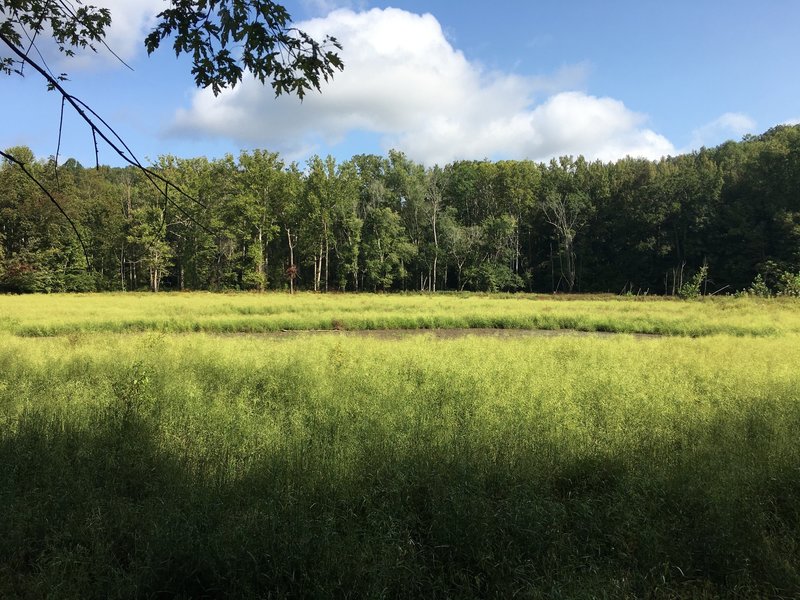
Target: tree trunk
327,254
570,256
260,261
516,245
122,267
435,251
317,268
291,260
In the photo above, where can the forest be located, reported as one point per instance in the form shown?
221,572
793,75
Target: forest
723,219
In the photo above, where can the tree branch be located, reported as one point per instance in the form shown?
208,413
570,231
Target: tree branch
119,147
58,146
41,186
70,10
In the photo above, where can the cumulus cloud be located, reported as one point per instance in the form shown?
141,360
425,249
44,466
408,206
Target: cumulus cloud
725,127
130,23
405,82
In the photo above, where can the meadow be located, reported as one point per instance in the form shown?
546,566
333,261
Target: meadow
145,452
60,314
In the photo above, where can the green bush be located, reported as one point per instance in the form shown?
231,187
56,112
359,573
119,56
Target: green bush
82,281
789,284
692,288
493,277
759,288
23,277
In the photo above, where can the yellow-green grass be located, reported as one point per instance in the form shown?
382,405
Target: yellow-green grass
42,315
148,464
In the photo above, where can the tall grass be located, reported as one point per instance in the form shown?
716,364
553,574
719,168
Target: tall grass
45,315
146,465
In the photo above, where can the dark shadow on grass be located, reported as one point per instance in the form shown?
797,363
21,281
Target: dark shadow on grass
104,512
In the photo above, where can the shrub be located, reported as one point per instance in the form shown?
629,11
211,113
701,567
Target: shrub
23,277
759,288
493,277
82,281
692,288
789,284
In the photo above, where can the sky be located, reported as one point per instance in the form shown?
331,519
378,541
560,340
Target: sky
444,81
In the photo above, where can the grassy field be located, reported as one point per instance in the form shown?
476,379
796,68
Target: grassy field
59,314
149,464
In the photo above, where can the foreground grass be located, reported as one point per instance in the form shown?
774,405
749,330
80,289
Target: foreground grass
46,315
150,465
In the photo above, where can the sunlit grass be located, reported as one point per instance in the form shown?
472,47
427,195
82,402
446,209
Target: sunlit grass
43,315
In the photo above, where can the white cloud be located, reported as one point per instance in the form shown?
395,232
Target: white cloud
725,127
404,81
567,123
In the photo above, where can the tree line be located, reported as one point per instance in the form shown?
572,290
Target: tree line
720,217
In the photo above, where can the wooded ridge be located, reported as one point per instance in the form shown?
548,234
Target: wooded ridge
711,221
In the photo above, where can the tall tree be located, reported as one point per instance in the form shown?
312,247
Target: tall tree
263,183
435,203
386,248
461,243
407,189
566,207
290,218
347,225
518,187
688,188
225,39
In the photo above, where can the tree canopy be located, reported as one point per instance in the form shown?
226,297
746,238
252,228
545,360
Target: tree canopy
717,220
225,39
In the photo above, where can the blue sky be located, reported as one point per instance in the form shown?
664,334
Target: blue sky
450,80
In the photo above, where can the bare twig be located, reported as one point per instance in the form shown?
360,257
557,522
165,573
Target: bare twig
58,146
133,161
720,289
70,10
96,151
33,45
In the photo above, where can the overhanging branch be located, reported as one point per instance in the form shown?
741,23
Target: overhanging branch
42,187
93,120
